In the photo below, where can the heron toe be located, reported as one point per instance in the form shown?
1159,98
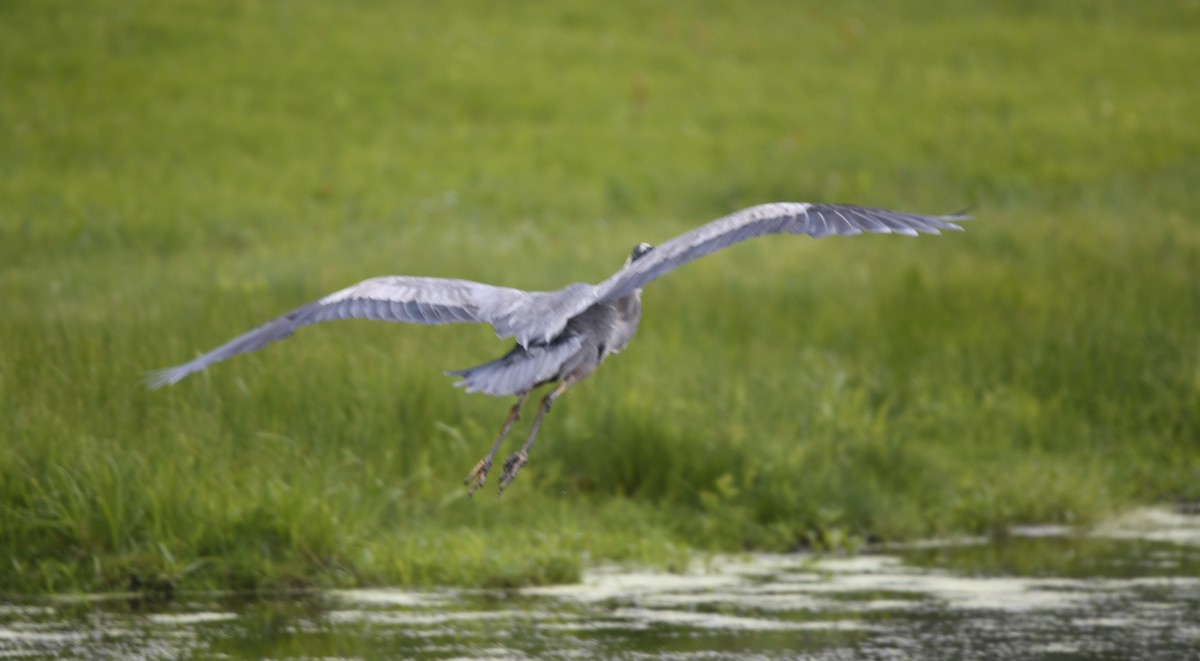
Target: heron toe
478,475
512,466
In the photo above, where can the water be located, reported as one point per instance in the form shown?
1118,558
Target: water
1128,590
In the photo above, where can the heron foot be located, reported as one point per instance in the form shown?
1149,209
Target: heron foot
478,475
512,466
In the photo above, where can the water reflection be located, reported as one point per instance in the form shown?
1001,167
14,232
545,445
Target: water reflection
1130,590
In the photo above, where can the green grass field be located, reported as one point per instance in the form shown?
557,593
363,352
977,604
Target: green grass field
174,173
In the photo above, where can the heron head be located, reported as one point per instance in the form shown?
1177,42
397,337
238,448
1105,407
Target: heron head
639,251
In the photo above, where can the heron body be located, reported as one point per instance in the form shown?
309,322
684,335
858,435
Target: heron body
562,335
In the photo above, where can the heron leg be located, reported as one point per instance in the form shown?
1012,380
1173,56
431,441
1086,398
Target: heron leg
478,475
517,461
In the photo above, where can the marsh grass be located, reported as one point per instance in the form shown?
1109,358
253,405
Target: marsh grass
176,173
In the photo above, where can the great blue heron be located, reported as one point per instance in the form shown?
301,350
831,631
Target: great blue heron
561,335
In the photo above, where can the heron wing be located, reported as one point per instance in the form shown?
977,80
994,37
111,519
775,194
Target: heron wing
415,300
816,220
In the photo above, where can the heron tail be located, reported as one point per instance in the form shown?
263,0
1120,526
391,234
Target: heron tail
519,370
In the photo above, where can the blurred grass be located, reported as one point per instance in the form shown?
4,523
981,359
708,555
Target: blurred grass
175,173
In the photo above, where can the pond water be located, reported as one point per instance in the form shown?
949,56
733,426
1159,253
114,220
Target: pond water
1127,590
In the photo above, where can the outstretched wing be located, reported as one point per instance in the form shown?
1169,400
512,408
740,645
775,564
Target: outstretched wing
538,317
415,300
816,220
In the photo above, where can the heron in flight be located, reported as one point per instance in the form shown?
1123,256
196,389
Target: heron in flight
562,335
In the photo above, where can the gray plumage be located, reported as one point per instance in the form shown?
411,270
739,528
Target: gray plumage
562,335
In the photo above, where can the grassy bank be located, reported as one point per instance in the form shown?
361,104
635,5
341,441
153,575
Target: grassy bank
175,173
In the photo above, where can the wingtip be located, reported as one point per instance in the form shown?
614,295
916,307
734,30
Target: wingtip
949,221
962,214
158,379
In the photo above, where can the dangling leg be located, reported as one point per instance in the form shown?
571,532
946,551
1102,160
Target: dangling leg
514,463
478,475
